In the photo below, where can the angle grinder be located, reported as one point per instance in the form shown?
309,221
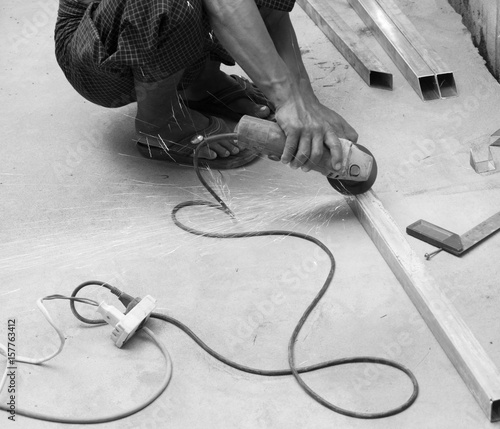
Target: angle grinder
359,168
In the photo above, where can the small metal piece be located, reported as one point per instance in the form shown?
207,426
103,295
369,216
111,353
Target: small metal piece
273,157
354,170
348,43
428,256
481,156
197,139
416,71
481,160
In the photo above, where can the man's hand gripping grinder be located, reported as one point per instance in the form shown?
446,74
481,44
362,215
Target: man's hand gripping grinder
359,168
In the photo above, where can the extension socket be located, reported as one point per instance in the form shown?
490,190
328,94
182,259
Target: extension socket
125,325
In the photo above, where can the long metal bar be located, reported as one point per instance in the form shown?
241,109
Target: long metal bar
416,71
471,361
369,68
446,81
481,231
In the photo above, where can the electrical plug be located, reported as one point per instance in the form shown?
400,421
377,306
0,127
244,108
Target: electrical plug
125,298
126,325
132,303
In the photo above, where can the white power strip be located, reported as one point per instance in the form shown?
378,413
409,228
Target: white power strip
126,324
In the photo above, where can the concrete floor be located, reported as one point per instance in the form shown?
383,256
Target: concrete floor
79,203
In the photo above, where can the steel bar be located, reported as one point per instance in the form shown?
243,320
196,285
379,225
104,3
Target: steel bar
471,361
357,54
445,79
416,71
481,231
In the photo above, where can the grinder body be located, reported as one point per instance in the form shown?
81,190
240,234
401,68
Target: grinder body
358,171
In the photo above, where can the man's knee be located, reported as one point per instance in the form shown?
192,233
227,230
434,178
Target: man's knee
272,17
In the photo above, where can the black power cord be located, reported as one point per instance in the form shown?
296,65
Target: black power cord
291,344
293,370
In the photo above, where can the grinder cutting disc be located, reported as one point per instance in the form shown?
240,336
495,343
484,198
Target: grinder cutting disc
350,187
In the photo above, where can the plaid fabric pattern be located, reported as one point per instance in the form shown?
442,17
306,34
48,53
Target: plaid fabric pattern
101,46
284,5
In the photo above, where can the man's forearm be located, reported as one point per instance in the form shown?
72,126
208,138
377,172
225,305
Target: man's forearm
266,48
241,29
285,40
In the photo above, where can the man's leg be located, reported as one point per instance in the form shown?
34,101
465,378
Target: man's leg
113,64
161,115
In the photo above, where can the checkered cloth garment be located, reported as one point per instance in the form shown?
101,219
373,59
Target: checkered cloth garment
102,45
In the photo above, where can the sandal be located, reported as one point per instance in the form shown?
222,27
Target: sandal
218,103
181,152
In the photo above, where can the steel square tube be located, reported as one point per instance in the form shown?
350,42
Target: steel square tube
445,79
413,67
357,54
476,368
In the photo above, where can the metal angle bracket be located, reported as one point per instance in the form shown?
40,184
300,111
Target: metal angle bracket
348,43
481,156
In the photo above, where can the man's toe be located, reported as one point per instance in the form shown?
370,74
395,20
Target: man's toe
262,111
246,106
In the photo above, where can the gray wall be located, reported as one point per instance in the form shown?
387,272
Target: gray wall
481,17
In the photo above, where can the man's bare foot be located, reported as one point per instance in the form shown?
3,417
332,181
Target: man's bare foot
178,124
213,80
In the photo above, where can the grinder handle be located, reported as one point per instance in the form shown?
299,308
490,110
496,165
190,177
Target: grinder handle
267,137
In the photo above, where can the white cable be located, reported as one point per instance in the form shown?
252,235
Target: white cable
3,349
117,416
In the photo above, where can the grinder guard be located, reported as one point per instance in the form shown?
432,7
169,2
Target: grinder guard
350,187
